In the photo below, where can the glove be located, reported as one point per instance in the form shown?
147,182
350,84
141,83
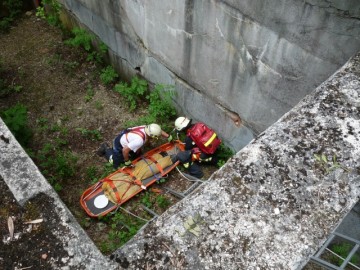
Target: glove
170,138
128,163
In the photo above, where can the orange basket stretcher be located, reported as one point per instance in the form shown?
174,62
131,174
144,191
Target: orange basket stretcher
120,186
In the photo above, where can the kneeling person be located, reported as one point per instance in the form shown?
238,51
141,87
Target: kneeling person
127,145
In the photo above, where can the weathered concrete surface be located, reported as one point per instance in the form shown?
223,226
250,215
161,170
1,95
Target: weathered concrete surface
272,205
26,182
254,59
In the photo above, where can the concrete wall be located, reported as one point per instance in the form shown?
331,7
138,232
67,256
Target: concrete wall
252,59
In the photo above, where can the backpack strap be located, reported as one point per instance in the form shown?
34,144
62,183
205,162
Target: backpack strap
136,131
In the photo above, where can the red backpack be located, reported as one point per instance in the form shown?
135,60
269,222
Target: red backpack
204,137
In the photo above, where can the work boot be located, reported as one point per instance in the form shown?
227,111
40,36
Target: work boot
102,149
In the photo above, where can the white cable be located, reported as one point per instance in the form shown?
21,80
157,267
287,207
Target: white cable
133,214
337,255
187,177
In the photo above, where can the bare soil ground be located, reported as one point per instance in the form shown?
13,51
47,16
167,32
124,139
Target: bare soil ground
56,81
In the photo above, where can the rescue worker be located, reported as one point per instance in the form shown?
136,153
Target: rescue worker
127,145
192,155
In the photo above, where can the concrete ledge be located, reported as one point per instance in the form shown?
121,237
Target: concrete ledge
272,205
26,183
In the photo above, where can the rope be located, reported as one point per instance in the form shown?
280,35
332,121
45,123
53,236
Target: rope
191,180
146,220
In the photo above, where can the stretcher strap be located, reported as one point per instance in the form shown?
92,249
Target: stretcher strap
157,164
134,178
115,190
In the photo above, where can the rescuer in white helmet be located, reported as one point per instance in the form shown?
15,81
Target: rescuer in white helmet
201,143
127,145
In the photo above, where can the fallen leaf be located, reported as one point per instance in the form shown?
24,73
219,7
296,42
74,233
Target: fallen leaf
34,221
11,227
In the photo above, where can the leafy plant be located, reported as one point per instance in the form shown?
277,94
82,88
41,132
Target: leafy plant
326,165
343,250
81,38
16,120
146,199
223,154
134,92
91,173
123,228
162,202
93,135
160,103
98,105
50,11
89,93
70,66
108,75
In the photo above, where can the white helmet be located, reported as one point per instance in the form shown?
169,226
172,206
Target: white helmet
181,123
153,130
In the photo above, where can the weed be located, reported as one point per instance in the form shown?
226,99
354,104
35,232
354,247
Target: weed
50,11
146,200
108,169
81,38
162,202
99,105
134,92
57,128
70,66
91,174
54,59
16,120
160,103
343,250
93,135
89,93
223,154
123,228
108,75
55,164
326,165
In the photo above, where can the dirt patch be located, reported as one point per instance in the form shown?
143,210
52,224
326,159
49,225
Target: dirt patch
67,105
33,243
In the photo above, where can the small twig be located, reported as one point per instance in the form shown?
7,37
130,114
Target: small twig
23,268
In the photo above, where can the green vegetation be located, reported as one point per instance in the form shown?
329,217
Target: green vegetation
81,38
151,200
223,154
50,11
326,165
159,103
12,10
133,93
123,228
89,93
7,88
16,120
343,250
108,75
93,135
56,164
